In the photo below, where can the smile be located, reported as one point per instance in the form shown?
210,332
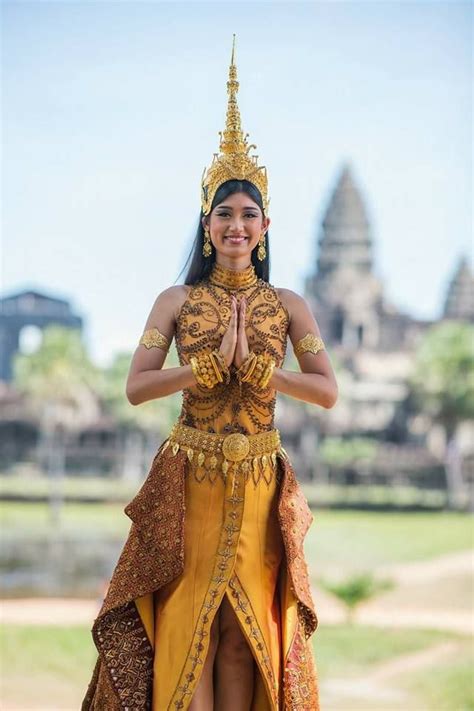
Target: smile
236,240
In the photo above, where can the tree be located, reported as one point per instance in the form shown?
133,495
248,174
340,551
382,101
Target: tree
443,386
150,421
60,382
355,590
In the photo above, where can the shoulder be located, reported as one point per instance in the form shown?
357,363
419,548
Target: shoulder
292,301
172,298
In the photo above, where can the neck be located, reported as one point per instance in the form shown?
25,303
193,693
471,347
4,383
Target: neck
236,264
233,278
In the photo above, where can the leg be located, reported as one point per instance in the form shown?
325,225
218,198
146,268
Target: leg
203,697
234,664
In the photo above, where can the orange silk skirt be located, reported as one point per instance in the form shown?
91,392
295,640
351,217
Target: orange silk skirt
233,547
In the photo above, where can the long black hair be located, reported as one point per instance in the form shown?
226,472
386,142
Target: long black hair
199,265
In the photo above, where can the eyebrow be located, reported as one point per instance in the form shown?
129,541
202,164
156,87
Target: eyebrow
228,207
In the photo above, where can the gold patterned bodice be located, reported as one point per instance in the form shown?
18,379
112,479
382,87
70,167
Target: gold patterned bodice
201,323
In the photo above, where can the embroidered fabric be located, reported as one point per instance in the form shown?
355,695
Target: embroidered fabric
202,322
153,558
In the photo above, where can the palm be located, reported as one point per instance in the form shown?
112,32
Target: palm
242,346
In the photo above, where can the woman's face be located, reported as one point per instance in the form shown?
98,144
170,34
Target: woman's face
235,225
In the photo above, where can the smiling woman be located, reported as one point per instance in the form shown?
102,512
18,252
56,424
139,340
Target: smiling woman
237,220
210,603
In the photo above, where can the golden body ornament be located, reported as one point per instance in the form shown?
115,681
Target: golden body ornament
220,513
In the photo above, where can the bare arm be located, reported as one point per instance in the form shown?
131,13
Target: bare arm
316,383
146,379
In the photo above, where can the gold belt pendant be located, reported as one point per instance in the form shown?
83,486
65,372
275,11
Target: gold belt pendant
235,447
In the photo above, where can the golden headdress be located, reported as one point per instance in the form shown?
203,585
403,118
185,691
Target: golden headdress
233,161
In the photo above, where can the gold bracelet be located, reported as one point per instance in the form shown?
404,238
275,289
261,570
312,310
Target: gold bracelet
194,365
256,369
247,367
309,344
267,375
209,369
222,365
153,338
201,373
216,368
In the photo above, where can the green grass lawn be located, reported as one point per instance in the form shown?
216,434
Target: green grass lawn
379,537
349,650
33,520
45,667
58,661
364,539
446,686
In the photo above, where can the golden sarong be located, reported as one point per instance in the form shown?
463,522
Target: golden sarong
205,528
233,546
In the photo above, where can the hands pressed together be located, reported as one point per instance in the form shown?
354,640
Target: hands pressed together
214,367
234,346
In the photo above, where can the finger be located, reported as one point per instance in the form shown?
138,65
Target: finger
234,314
242,313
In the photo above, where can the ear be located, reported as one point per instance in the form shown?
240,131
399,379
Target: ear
266,223
204,221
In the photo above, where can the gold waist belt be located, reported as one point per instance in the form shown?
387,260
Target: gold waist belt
208,448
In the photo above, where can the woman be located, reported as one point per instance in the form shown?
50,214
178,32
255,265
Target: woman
210,606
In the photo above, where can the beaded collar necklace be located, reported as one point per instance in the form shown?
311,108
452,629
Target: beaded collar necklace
231,278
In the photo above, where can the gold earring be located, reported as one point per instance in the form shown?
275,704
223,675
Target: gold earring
206,248
261,252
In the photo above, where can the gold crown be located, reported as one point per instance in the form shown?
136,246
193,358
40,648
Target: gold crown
233,161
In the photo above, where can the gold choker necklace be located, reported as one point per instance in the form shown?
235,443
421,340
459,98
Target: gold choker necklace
232,278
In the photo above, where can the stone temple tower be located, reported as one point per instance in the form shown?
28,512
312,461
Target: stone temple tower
344,293
459,303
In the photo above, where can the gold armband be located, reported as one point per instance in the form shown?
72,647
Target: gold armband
256,369
210,369
309,344
153,338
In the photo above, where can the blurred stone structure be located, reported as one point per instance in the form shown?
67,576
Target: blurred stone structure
29,308
459,304
372,344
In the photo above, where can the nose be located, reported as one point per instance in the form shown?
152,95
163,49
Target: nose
236,226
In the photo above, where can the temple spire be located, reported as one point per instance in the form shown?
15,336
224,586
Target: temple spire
345,238
459,302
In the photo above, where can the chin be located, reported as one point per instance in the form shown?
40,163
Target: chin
244,248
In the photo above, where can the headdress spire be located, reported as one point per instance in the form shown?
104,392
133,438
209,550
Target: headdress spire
233,161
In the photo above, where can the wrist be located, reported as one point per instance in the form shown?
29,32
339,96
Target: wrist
256,369
210,369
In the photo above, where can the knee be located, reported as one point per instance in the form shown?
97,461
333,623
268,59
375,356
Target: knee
234,648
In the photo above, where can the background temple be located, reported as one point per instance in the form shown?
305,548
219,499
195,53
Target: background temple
372,345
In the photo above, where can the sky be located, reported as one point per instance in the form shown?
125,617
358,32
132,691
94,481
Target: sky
111,111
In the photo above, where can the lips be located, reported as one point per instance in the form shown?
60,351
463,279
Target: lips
237,239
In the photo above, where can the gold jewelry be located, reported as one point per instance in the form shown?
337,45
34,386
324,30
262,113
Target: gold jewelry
261,252
216,368
256,369
233,161
266,377
206,248
213,451
309,344
231,278
153,338
222,365
248,366
210,369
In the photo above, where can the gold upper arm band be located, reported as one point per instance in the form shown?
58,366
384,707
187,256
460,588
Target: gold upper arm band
153,337
309,344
